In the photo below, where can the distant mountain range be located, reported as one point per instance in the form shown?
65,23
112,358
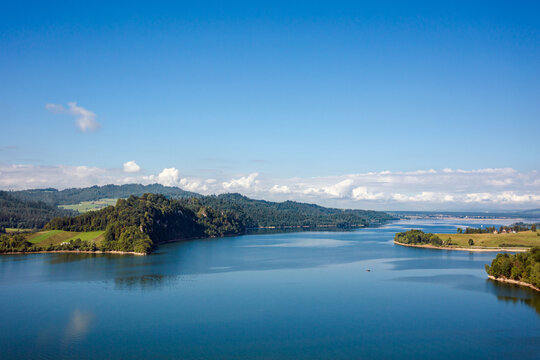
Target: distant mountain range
76,195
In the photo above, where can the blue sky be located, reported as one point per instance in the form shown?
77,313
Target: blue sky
304,94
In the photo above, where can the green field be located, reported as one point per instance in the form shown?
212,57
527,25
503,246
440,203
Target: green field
520,239
90,205
56,237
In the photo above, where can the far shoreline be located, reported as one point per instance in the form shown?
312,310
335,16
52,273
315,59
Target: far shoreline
429,246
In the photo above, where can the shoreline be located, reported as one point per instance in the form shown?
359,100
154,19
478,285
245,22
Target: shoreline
429,246
515,282
73,251
136,253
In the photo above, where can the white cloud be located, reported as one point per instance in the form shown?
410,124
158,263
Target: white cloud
193,185
244,182
338,190
131,167
168,177
341,189
84,118
362,193
425,196
501,182
280,189
430,189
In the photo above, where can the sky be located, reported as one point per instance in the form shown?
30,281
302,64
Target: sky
387,105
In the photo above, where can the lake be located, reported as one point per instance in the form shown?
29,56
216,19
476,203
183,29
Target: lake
300,295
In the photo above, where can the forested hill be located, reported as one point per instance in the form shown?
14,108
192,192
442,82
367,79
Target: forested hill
139,223
26,214
260,213
77,195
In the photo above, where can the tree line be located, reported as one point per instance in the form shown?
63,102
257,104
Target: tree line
418,237
517,227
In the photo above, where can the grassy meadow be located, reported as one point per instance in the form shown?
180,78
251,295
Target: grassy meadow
56,237
85,206
520,239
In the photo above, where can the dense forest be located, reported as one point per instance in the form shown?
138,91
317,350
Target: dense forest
139,223
521,267
16,213
77,195
260,213
418,237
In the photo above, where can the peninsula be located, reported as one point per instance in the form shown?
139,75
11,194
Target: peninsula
511,241
138,224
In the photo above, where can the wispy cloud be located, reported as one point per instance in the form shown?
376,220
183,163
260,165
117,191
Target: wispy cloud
84,118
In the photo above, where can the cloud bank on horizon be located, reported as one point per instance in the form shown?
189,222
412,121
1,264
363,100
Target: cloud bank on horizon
490,188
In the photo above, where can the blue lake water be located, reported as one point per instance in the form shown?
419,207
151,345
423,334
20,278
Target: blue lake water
276,296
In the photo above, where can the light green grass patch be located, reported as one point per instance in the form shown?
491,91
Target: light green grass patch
55,237
520,239
85,206
40,236
87,236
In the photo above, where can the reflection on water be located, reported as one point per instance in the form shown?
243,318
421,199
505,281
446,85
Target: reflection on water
310,242
59,258
77,327
514,294
504,292
145,282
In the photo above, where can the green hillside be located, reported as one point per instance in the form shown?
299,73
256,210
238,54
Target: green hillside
18,214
